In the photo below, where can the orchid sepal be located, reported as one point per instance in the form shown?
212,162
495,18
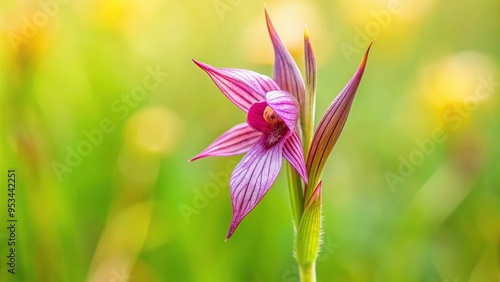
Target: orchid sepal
286,71
242,87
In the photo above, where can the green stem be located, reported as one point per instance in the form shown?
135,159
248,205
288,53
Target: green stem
308,274
296,195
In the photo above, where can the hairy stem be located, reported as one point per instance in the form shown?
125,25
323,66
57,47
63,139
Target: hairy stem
308,274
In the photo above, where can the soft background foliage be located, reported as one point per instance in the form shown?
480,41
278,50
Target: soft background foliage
131,208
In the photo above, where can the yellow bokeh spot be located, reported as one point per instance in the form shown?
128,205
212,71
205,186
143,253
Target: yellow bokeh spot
451,88
154,130
455,78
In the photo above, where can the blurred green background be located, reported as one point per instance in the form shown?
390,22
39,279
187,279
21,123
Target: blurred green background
101,107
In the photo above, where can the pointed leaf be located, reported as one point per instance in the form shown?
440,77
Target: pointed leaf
309,232
331,126
252,178
242,87
310,101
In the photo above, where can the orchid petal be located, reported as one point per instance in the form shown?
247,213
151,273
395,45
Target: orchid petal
242,87
294,154
285,105
286,72
237,140
252,178
255,117
331,126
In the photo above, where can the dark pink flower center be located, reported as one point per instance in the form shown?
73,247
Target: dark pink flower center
277,127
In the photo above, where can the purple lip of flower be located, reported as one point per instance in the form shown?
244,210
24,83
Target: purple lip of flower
268,135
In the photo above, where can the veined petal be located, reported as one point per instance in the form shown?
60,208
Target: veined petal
255,117
286,72
242,87
285,105
294,154
331,126
237,140
252,178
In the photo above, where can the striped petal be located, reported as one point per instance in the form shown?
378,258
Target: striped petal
294,154
331,126
252,178
285,105
242,87
236,140
286,72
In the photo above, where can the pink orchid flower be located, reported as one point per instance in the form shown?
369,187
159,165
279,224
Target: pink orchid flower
270,131
278,112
